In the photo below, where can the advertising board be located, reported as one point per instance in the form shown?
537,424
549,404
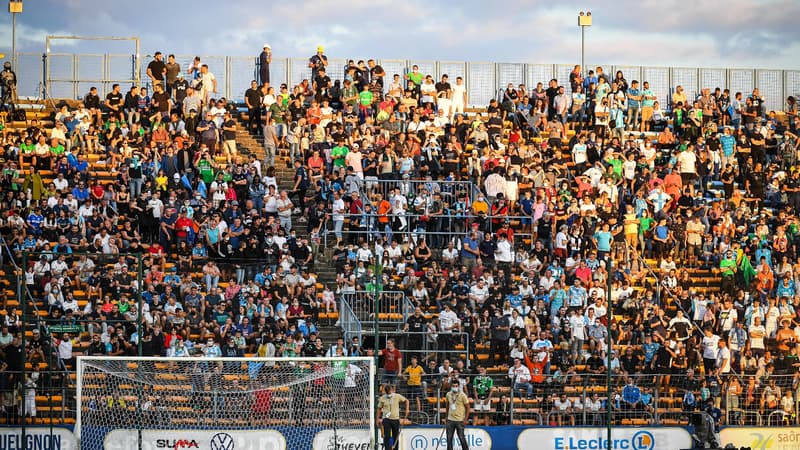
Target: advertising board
196,439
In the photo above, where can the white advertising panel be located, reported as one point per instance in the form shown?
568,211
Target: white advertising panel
661,438
433,438
343,439
196,439
59,439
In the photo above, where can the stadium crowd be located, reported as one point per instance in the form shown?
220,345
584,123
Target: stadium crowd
565,177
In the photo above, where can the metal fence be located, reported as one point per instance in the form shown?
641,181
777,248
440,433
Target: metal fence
348,321
387,308
70,75
741,403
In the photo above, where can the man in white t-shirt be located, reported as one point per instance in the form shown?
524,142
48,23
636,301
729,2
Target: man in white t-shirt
399,206
688,160
521,377
208,84
577,325
579,154
458,97
562,407
284,206
449,323
757,333
428,90
479,293
338,209
723,361
710,347
450,255
394,250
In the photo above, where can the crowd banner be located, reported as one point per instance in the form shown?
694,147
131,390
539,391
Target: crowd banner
762,438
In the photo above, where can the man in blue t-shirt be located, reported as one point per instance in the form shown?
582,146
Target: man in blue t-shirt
577,295
631,395
634,105
728,144
469,250
602,239
35,220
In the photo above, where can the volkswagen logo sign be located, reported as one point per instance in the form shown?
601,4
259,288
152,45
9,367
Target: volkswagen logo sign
222,441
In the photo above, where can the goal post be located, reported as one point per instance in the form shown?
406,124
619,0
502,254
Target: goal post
153,403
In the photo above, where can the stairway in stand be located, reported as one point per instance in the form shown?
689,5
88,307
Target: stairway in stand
284,171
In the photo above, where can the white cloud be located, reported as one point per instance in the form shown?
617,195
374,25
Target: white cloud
722,33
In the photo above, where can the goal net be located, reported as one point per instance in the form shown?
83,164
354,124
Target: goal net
225,403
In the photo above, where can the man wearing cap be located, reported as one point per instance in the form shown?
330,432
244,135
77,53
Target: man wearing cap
317,62
389,416
264,60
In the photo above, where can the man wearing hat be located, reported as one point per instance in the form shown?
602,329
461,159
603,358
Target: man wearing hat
264,60
317,62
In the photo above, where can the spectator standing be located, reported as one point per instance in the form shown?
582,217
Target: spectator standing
318,62
264,60
458,412
389,415
157,70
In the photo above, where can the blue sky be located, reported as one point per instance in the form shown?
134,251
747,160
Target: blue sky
709,33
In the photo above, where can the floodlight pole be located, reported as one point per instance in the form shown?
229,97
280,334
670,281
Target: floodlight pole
14,7
584,21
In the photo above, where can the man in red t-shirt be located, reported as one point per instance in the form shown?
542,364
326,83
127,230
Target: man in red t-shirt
392,362
182,225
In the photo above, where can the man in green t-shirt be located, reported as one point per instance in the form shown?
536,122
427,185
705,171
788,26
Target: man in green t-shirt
277,111
339,153
205,169
56,149
365,100
483,388
349,93
415,75
727,268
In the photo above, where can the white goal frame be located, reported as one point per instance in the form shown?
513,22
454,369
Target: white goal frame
82,360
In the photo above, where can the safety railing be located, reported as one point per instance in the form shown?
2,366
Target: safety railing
436,345
19,275
449,190
70,75
386,308
582,400
349,322
436,230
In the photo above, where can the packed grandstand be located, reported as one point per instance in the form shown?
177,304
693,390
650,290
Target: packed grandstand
477,240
